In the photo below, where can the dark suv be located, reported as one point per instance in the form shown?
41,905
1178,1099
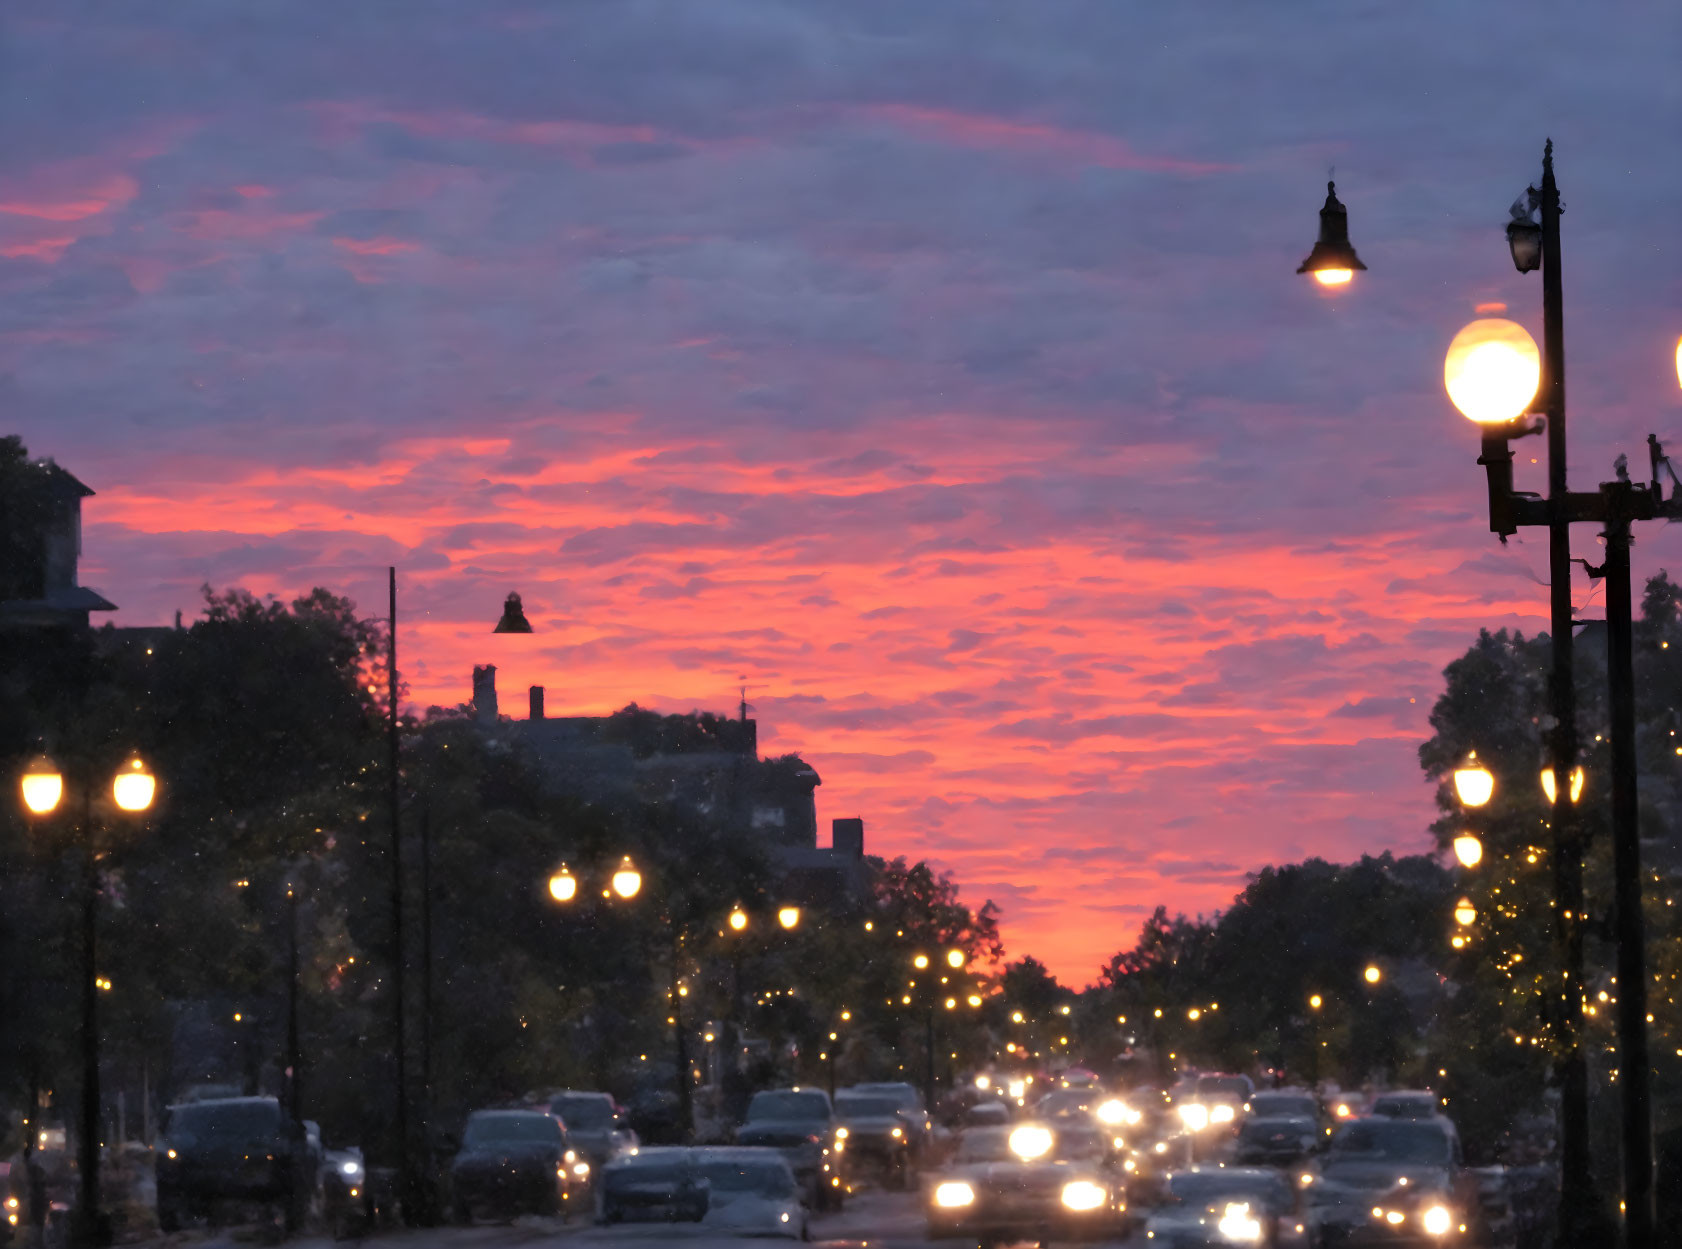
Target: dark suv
230,1151
800,1123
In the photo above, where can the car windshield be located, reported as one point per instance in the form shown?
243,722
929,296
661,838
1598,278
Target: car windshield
853,1107
1209,1188
1275,1104
985,1145
1223,1086
224,1122
787,1105
1397,1141
511,1127
1075,1145
904,1098
762,1178
1413,1106
646,1170
1266,1129
584,1113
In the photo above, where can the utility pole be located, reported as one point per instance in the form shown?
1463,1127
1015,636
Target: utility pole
399,961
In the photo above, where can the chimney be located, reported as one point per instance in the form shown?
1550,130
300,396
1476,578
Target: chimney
484,693
846,836
537,702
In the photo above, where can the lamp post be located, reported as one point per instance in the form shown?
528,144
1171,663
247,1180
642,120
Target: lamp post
132,790
1492,373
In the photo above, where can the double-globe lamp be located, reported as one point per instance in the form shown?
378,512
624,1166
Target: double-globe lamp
626,882
1474,785
132,789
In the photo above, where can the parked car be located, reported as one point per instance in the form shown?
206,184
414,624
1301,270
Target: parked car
799,1122
238,1153
1033,1181
511,1162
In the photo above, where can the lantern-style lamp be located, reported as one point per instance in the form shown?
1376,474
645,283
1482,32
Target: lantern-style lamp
1524,233
513,617
1492,370
627,881
1333,261
738,919
788,916
1474,784
133,786
954,959
1468,849
42,786
1550,791
1464,912
563,886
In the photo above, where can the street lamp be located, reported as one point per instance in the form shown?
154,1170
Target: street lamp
955,959
133,789
1492,371
1372,975
563,885
1333,261
1550,790
627,881
788,916
1468,849
1474,784
738,919
1464,912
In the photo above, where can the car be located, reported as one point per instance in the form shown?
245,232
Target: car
1075,1103
1220,1205
347,1200
1285,1103
595,1125
750,1192
1277,1140
991,1113
741,1190
873,1138
652,1183
511,1162
1388,1181
1031,1181
799,1122
231,1152
911,1108
1407,1104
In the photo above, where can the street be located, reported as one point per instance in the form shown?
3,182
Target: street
877,1220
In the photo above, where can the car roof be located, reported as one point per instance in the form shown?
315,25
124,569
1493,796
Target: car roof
229,1101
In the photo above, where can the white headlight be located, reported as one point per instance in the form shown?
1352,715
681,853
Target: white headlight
1437,1220
1221,1114
953,1194
1083,1195
1237,1224
1194,1116
581,1169
350,1168
1112,1112
898,1132
1030,1141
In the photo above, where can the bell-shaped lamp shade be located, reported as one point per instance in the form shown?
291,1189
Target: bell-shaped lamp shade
1468,849
627,881
1524,240
43,786
788,916
1464,912
954,958
738,919
1551,791
563,886
1333,261
133,786
1474,784
513,617
1492,370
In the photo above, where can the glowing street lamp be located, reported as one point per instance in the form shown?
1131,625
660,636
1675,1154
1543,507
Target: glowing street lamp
1372,975
1468,849
627,881
1333,261
788,916
1473,783
43,786
738,919
563,886
133,786
1492,370
1315,1001
954,958
1551,791
920,961
1464,912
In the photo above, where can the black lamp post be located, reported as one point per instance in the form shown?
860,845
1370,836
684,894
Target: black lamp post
132,791
1583,1221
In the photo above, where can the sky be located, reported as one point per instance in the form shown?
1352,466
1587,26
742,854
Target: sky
937,370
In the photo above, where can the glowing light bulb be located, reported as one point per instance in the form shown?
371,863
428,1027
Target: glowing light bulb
133,787
1333,277
1492,370
1468,849
1474,784
563,886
